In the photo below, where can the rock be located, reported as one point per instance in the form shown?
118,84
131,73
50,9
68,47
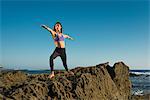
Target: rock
141,97
121,79
100,82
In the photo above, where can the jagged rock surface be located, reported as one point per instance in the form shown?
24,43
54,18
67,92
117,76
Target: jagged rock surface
100,82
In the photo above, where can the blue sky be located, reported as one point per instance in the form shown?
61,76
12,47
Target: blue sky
104,31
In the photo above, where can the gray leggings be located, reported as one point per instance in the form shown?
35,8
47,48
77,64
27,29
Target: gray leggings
58,52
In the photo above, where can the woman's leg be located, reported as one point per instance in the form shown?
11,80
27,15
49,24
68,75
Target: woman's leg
64,59
51,60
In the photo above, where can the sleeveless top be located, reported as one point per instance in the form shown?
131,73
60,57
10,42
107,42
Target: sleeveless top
59,38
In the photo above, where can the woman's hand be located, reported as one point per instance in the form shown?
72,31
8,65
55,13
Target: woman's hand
49,29
44,26
70,38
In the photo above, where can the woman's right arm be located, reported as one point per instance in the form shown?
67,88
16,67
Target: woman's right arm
49,29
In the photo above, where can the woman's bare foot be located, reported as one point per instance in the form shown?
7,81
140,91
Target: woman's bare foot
51,75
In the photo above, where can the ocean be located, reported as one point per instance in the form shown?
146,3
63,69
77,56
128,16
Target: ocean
140,80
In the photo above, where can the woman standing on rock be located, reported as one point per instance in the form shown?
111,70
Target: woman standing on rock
59,42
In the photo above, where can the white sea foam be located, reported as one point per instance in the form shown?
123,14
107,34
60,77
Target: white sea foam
141,73
138,92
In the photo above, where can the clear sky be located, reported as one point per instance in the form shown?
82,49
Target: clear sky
104,31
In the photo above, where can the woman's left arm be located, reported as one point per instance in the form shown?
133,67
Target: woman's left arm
67,36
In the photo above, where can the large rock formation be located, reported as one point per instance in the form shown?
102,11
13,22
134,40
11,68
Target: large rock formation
100,82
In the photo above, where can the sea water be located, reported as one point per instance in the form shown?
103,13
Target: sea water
140,82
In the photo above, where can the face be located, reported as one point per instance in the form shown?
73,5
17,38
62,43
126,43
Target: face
58,27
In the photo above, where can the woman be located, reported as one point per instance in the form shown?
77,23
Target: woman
59,42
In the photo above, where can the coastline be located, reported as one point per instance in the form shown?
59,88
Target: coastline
43,73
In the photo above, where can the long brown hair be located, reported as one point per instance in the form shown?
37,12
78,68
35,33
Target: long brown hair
60,25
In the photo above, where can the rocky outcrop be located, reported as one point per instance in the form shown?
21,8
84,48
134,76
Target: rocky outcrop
121,80
100,82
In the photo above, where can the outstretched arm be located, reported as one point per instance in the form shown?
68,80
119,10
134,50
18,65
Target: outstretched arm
67,36
49,29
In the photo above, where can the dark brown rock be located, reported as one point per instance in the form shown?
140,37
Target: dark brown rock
100,82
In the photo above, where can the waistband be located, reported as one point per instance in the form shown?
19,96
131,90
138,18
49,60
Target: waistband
59,48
